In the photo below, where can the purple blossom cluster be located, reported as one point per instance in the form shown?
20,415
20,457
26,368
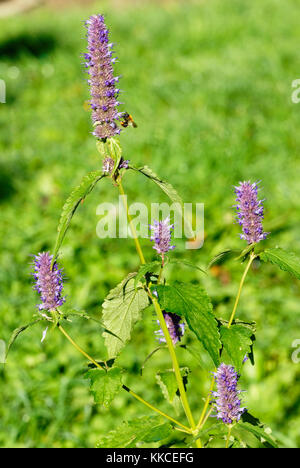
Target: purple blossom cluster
161,235
250,212
99,63
48,282
175,326
227,401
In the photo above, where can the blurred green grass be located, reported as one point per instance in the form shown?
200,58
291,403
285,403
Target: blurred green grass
209,84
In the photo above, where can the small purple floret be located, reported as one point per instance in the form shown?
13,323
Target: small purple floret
98,62
48,282
161,236
227,401
250,212
108,164
175,327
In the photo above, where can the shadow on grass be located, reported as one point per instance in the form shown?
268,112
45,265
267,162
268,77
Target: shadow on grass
36,44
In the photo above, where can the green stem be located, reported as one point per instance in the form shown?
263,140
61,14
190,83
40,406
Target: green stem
176,367
63,331
163,325
132,228
186,429
252,257
228,436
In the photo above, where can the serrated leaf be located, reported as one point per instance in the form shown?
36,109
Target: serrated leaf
144,269
168,383
237,342
163,185
105,384
77,195
18,331
286,261
250,325
145,429
121,310
192,303
255,427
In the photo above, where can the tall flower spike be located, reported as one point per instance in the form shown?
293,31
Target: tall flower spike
98,61
227,400
250,212
175,327
48,282
161,236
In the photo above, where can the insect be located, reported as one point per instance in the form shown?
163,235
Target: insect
127,120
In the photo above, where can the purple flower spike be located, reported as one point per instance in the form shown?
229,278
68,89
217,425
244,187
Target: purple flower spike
98,62
161,235
175,327
48,282
227,402
250,212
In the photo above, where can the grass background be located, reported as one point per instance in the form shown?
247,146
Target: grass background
209,83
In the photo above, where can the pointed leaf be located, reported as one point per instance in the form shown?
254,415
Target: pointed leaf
192,302
77,195
287,261
237,342
169,190
104,384
145,429
185,263
121,310
222,257
18,331
259,430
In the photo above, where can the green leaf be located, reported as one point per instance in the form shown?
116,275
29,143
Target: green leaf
237,342
144,269
146,429
163,185
222,257
121,310
192,303
168,189
287,261
185,263
18,331
105,384
168,383
255,427
77,195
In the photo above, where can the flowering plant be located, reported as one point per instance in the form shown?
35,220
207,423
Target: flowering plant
178,306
